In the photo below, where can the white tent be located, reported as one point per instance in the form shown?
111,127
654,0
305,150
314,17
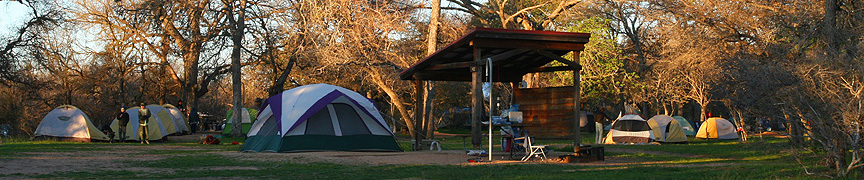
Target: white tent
69,123
319,117
629,129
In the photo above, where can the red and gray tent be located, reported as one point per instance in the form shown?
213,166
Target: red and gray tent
319,117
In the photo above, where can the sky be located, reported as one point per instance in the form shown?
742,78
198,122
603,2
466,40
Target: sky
12,15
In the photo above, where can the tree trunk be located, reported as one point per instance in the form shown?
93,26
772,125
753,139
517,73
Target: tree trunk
162,85
141,86
840,157
829,28
429,94
432,38
703,107
793,128
742,125
237,27
394,98
532,80
190,47
191,76
279,84
428,110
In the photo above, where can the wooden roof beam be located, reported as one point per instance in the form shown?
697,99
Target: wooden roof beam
495,58
548,54
503,56
550,69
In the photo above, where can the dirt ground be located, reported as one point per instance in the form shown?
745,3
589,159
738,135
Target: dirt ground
116,158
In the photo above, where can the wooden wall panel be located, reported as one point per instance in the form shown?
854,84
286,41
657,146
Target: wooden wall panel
546,112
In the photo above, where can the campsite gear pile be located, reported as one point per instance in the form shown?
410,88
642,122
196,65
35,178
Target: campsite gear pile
476,153
209,139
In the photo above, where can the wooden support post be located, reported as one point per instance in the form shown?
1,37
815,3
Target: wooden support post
476,100
418,114
577,141
513,87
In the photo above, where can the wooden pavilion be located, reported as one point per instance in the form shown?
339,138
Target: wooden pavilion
512,53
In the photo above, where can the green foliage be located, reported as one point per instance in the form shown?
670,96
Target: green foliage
603,76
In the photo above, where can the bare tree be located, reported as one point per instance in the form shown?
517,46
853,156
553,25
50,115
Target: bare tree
237,27
429,90
15,51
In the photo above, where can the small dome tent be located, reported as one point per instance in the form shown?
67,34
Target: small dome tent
685,125
155,128
319,117
246,120
667,129
165,117
717,128
629,129
178,117
68,123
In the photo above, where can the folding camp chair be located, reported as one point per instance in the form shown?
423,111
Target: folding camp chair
532,150
516,142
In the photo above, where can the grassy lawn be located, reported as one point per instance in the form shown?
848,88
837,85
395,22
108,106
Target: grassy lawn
700,159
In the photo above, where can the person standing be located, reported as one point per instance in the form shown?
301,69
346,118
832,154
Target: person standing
143,119
122,121
193,120
598,129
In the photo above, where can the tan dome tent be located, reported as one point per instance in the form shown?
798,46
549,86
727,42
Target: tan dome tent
154,126
180,123
68,123
667,129
717,128
165,117
629,129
